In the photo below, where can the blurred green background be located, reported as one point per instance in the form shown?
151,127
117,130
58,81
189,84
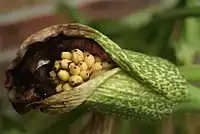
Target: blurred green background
166,28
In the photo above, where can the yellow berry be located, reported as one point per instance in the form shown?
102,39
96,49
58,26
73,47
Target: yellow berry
57,62
107,65
57,65
65,63
97,59
86,53
74,70
85,74
72,65
66,87
75,80
52,74
89,60
77,56
96,67
66,55
63,75
83,66
59,88
56,81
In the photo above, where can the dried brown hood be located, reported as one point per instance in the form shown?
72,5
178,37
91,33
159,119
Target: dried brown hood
19,97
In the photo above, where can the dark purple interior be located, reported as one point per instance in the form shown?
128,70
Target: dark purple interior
31,84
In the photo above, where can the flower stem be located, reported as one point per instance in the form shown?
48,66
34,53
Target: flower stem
179,13
99,124
191,73
193,100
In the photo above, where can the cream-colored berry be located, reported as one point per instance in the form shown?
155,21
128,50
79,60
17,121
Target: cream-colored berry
66,55
86,53
83,66
63,75
52,74
85,74
57,62
59,88
74,70
89,60
57,65
77,56
66,87
75,80
56,81
97,59
107,65
72,65
65,63
96,67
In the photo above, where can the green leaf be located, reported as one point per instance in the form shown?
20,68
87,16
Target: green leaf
12,131
9,124
191,73
62,125
72,12
33,121
144,17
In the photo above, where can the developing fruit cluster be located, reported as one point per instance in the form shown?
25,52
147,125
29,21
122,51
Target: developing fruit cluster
76,67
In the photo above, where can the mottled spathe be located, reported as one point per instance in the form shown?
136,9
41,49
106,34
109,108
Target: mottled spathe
142,86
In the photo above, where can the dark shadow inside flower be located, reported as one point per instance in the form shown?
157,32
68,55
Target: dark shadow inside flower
28,78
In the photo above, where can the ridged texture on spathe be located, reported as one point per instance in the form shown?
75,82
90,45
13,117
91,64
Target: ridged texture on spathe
124,97
155,73
137,100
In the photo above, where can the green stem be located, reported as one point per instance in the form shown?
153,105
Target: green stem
179,13
193,101
191,73
99,124
145,18
142,18
71,12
